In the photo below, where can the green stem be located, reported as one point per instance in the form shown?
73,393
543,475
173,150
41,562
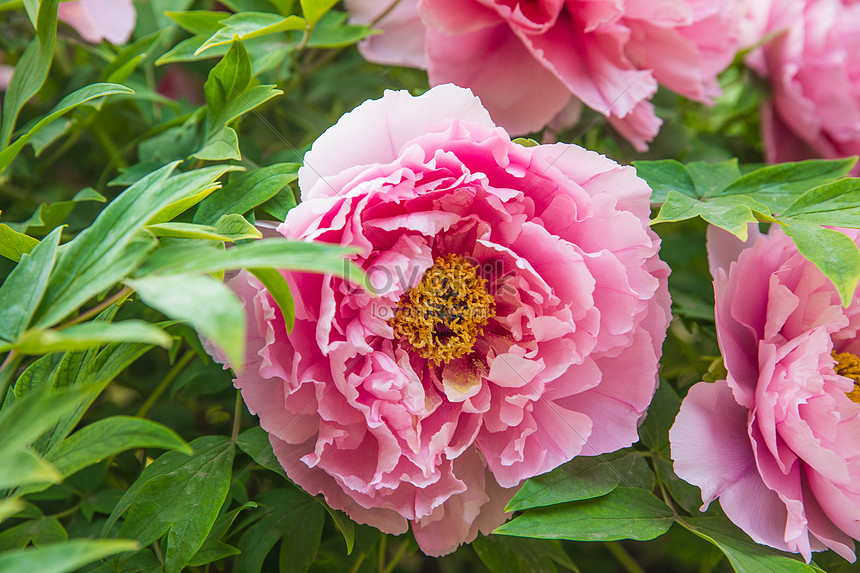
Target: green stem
623,557
121,295
383,542
237,417
165,383
357,565
8,369
108,144
401,551
387,11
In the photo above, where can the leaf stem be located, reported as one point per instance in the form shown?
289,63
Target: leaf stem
383,542
165,383
237,417
401,551
121,295
623,557
8,369
357,565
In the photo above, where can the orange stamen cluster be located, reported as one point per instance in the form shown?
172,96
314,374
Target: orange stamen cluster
848,365
443,316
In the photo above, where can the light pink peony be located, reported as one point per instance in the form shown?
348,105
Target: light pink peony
5,74
526,60
97,20
540,280
778,442
813,65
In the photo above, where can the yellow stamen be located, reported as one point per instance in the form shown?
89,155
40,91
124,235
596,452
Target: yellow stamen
848,365
443,316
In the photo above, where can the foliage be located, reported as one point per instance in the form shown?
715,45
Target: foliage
126,448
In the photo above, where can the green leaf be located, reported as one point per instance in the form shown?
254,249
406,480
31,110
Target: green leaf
67,104
686,495
176,208
31,416
109,249
344,524
836,204
229,228
94,376
23,289
179,496
21,467
10,506
38,531
265,253
207,304
255,443
245,102
281,204
277,285
832,252
31,70
230,90
584,477
313,10
63,557
199,21
744,555
290,514
213,548
248,25
731,213
664,176
221,146
625,513
129,57
525,141
51,215
227,80
333,31
503,554
712,178
246,191
779,185
110,436
654,431
187,51
14,244
89,335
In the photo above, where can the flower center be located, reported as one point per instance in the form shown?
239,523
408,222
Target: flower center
443,316
848,365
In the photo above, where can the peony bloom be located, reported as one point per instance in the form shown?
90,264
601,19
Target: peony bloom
518,313
97,20
813,65
778,441
5,74
528,60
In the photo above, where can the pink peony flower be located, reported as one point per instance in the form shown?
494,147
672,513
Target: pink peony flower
97,20
526,60
5,74
402,43
519,312
813,65
778,442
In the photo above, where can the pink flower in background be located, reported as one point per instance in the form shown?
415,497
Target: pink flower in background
5,74
813,65
527,60
97,20
778,442
402,42
519,312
